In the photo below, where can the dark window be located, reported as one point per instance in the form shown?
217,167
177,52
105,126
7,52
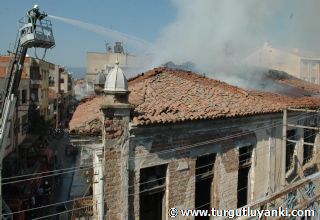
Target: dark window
152,192
24,96
18,125
204,165
152,177
243,179
204,177
309,136
35,73
24,124
34,95
291,135
245,155
51,81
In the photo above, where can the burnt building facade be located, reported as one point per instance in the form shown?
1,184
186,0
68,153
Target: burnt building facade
174,139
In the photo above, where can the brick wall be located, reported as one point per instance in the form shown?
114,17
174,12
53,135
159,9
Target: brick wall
226,178
113,128
134,194
112,184
181,183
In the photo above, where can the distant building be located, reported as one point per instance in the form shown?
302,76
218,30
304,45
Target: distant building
301,64
20,119
19,126
81,89
34,102
104,62
61,83
66,81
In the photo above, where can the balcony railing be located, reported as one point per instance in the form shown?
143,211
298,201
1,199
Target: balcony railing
83,207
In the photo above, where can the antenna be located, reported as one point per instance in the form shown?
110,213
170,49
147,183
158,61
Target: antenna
106,45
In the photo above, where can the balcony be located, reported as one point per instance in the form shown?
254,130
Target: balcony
83,207
35,83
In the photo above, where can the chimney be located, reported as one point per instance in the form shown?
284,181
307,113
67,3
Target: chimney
116,117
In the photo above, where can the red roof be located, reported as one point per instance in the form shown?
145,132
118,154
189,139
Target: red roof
168,96
87,117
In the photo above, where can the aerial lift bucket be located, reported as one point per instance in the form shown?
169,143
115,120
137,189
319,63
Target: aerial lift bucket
39,35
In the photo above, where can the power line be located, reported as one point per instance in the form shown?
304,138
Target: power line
132,194
46,206
59,203
212,140
50,175
165,151
47,172
154,180
59,213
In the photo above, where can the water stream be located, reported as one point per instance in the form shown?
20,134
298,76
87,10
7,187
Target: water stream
133,41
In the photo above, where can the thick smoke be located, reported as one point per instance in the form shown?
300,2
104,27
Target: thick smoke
214,34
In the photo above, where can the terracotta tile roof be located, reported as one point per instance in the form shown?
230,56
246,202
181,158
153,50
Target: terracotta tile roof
168,96
87,117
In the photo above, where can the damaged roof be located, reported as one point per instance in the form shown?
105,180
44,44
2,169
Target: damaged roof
164,95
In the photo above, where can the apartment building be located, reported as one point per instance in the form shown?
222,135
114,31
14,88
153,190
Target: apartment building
20,125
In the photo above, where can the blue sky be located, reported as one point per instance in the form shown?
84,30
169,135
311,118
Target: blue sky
209,33
140,18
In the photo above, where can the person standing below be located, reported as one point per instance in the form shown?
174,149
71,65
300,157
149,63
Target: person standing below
34,14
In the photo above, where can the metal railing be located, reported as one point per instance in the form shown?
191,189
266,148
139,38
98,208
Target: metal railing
82,207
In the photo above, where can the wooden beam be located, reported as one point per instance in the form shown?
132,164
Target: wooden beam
304,143
302,110
302,126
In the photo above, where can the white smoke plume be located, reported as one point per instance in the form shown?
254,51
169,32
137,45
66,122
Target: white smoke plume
215,33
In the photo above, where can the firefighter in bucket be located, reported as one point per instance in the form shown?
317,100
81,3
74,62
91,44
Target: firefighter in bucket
34,14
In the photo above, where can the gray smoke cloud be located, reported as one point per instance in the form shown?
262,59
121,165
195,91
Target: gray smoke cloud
215,33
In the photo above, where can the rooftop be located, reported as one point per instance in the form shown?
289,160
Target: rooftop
165,95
